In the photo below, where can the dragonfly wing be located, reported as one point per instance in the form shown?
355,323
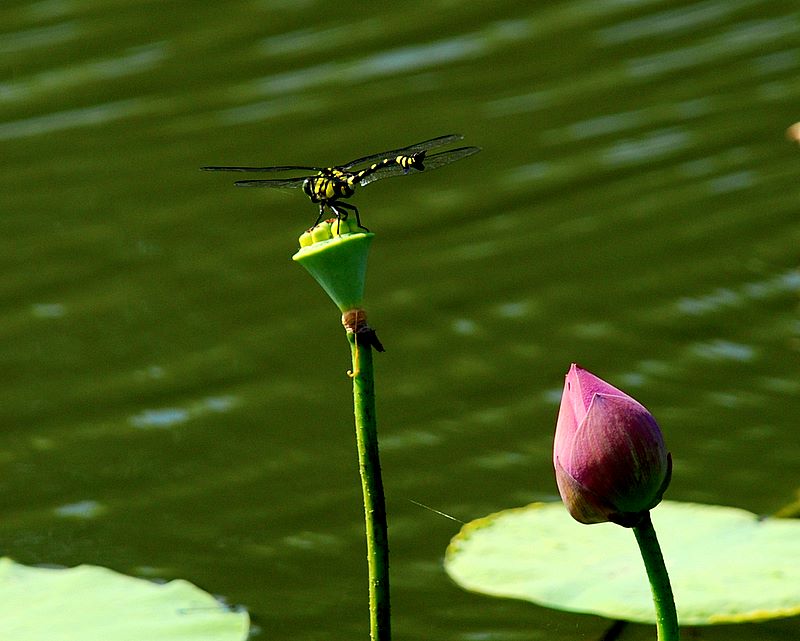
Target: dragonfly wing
263,169
405,151
430,162
288,183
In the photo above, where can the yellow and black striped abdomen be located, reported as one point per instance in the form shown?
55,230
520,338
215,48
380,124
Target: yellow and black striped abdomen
414,161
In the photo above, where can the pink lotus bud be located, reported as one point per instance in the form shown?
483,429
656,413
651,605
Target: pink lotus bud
610,459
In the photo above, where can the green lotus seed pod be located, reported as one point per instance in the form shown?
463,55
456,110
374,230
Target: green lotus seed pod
338,264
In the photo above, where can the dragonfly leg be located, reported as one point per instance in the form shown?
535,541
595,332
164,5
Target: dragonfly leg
321,214
358,220
343,215
340,215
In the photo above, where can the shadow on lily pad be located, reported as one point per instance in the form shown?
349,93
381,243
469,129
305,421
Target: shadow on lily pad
90,603
726,565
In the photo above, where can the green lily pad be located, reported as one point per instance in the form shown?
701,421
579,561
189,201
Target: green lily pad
89,603
725,564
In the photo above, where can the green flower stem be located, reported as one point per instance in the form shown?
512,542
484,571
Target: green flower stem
336,257
374,504
666,615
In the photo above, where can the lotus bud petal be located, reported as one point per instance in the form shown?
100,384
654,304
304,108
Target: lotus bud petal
609,455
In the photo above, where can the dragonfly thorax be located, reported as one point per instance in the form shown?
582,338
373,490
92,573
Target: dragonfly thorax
329,185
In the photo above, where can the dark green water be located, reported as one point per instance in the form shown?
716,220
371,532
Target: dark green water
175,401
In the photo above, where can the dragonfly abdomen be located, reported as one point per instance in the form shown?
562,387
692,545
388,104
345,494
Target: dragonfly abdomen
414,161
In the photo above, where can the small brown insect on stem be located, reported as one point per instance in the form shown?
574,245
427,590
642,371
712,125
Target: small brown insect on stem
355,322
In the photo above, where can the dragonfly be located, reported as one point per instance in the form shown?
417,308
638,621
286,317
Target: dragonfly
330,187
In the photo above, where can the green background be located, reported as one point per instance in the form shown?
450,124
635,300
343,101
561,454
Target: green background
174,399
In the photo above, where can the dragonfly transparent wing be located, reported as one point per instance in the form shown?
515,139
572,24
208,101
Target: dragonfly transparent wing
264,169
288,183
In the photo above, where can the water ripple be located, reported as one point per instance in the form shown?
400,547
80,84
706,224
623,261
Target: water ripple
88,509
608,124
49,9
777,62
669,22
743,37
519,104
163,417
730,298
265,109
399,60
48,310
719,350
655,144
734,181
311,39
167,417
18,41
83,117
136,60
